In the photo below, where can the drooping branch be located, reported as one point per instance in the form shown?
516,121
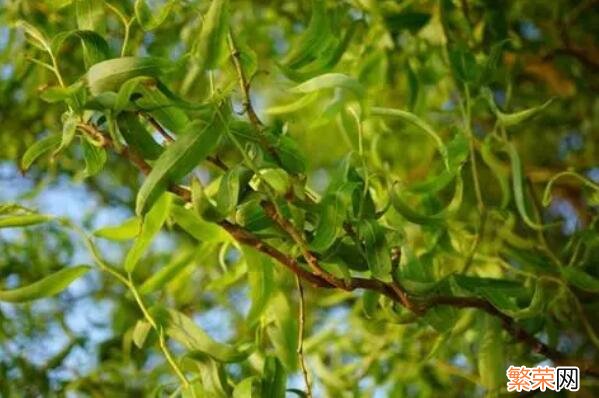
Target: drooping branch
321,279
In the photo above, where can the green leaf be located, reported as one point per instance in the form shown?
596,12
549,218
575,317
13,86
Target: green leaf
252,216
500,171
151,225
35,36
277,179
518,187
314,39
512,119
491,355
186,332
274,378
418,122
109,75
94,157
463,64
457,152
370,302
123,98
261,282
151,20
127,230
292,158
498,292
213,376
90,15
140,332
165,107
247,388
69,127
418,217
23,220
330,80
39,148
323,61
406,20
378,253
46,287
212,43
179,159
229,189
583,180
197,227
537,304
283,333
59,94
95,48
294,106
333,212
137,136
580,279
167,273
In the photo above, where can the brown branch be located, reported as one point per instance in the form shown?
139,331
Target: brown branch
322,279
245,237
295,235
244,85
157,126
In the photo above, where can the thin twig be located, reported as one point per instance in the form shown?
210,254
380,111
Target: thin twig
244,85
158,127
295,235
300,340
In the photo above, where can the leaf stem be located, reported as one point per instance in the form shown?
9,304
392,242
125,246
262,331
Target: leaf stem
159,330
300,340
466,110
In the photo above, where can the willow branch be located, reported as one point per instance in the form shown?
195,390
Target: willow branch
297,237
300,338
394,290
248,108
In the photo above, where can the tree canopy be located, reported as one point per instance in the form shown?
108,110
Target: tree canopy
250,198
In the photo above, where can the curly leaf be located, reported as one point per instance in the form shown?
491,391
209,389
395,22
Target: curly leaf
46,287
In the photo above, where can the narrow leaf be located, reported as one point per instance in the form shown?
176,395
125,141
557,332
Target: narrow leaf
261,282
109,75
179,159
212,44
38,149
23,220
151,225
90,15
137,136
186,332
197,227
330,80
94,157
151,20
140,332
128,229
581,279
167,273
46,287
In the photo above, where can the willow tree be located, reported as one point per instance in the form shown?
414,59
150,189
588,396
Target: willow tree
367,198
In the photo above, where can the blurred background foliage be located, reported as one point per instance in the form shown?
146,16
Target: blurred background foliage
413,55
